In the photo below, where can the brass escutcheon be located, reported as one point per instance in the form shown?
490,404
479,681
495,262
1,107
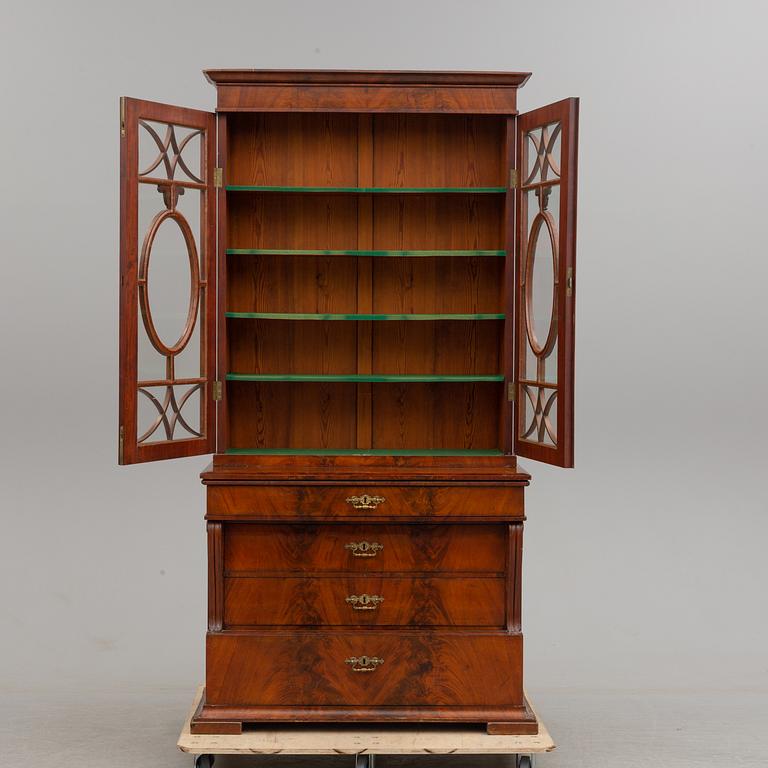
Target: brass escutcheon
364,602
365,501
364,548
364,663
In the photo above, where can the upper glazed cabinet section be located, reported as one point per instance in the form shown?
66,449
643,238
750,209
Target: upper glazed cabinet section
341,91
348,263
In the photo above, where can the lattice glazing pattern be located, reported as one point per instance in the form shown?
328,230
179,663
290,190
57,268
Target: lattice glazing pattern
171,283
539,275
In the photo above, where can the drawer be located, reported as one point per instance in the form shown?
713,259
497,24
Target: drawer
364,601
365,668
364,502
257,547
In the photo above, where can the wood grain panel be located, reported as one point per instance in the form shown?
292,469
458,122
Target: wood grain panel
455,347
313,470
291,415
322,601
284,283
436,415
259,547
286,346
328,98
455,221
435,669
348,77
312,150
294,221
306,502
438,150
438,285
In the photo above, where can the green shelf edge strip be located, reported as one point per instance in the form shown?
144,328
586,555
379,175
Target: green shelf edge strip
318,252
382,378
303,316
369,190
363,452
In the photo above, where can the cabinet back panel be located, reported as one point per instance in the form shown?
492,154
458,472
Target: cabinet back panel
443,348
306,149
349,150
276,220
439,285
437,416
291,415
292,347
280,283
452,221
438,151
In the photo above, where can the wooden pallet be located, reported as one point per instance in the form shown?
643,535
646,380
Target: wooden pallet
345,740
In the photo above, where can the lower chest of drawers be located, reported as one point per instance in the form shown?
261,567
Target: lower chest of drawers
356,575
346,616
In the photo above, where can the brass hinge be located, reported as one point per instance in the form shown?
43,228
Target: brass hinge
511,391
569,282
217,390
122,115
218,177
514,178
120,444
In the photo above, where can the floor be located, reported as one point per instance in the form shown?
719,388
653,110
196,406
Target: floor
600,730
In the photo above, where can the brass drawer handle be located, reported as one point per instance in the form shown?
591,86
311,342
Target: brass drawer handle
364,548
365,501
364,663
364,602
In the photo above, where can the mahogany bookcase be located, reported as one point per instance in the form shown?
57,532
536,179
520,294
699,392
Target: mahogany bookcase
356,290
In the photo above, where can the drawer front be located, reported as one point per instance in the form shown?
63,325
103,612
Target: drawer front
367,668
364,601
364,502
256,547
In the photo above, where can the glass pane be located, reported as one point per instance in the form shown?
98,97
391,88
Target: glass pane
541,150
540,265
170,284
168,413
540,280
169,151
540,410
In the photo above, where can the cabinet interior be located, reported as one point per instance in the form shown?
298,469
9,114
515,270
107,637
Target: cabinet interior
368,317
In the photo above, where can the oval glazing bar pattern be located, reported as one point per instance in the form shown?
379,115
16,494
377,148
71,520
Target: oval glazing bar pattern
540,194
174,175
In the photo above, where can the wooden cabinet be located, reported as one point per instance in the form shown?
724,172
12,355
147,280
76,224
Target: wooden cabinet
356,290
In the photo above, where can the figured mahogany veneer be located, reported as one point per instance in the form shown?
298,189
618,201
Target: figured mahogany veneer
313,566
255,548
301,502
354,601
306,676
342,91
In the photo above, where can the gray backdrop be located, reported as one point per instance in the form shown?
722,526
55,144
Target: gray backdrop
645,566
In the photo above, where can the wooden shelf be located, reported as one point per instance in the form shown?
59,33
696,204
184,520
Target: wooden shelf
312,316
364,452
319,252
370,190
361,378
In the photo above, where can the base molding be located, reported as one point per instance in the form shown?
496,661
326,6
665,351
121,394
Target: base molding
230,720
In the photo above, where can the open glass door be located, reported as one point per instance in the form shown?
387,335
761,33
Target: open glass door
167,281
545,283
